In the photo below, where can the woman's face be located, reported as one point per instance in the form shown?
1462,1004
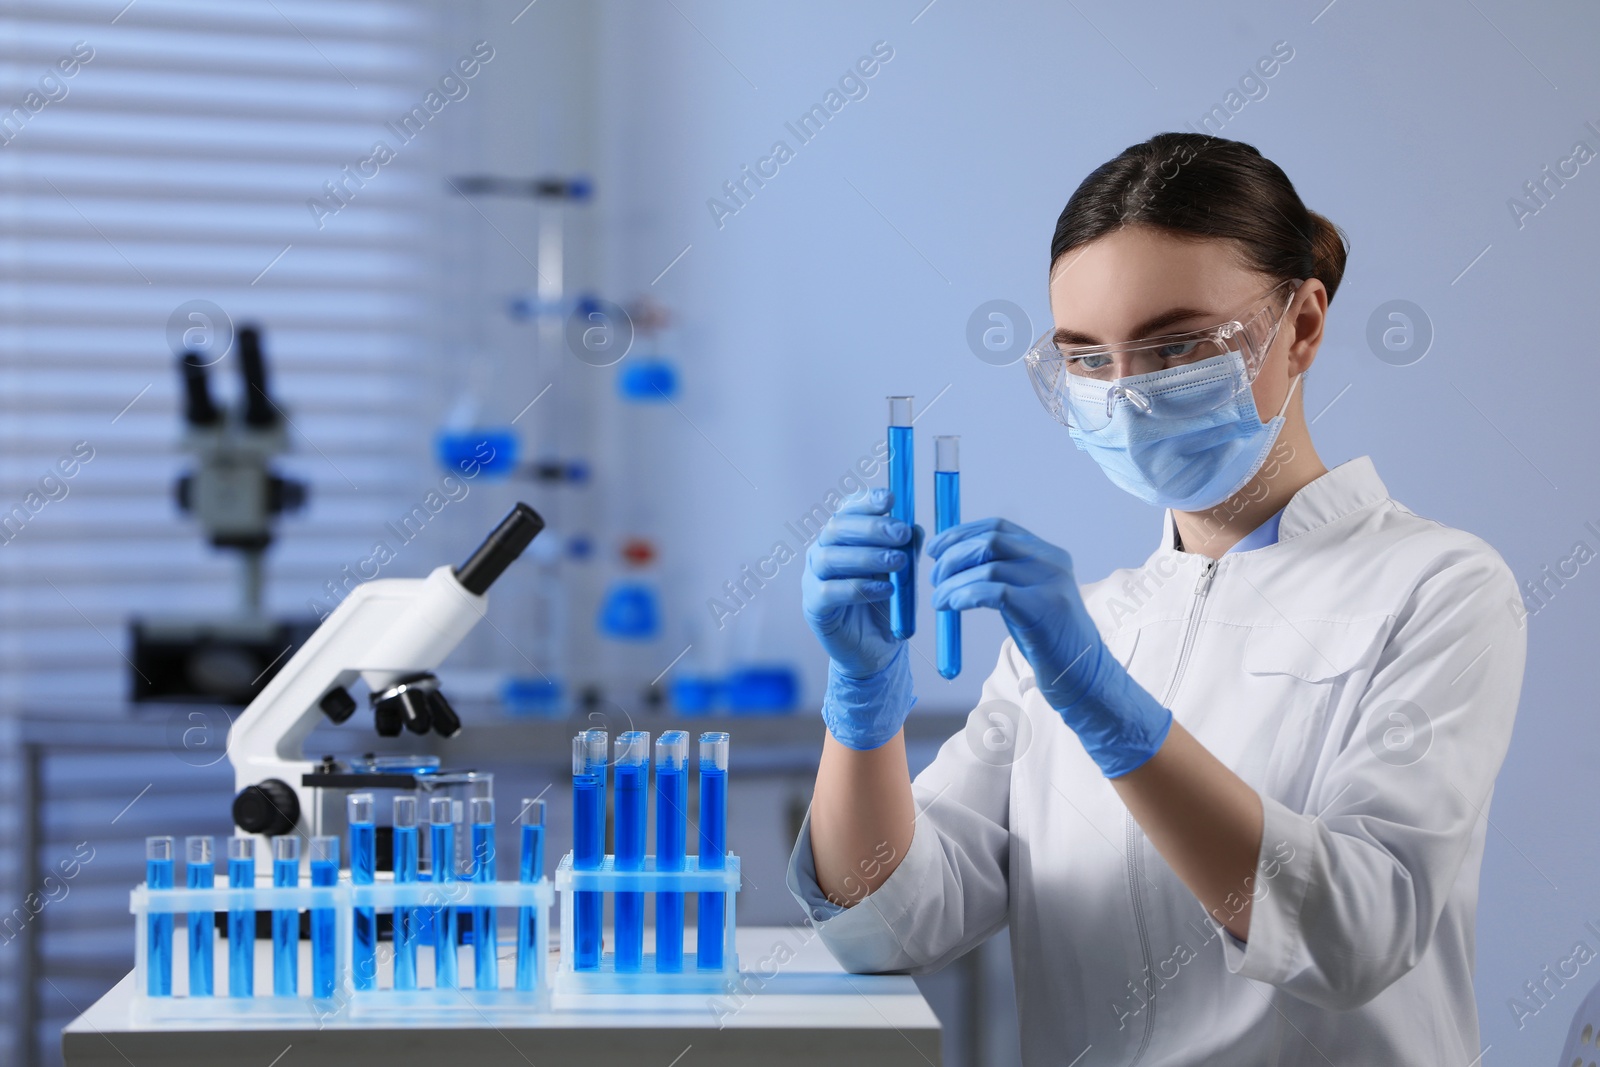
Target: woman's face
1144,282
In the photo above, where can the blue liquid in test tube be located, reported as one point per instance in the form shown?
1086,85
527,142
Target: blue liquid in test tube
672,815
405,873
530,954
286,921
324,921
363,868
632,757
485,947
713,845
241,921
200,872
588,842
442,847
947,513
158,871
903,601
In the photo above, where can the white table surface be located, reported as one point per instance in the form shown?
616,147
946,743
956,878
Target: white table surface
797,1006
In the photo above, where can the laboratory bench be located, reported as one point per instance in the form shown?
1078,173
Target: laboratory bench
793,1005
111,776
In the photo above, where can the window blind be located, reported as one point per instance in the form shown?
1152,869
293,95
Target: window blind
163,152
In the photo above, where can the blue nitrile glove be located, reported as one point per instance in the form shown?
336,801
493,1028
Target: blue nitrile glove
997,564
844,594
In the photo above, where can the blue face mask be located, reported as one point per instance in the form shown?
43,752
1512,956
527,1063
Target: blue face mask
1203,451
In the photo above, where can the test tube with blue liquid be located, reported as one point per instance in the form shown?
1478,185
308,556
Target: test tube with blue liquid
442,847
241,921
672,815
485,948
286,921
903,599
405,873
713,845
531,816
363,870
324,921
947,513
632,785
588,842
200,872
158,872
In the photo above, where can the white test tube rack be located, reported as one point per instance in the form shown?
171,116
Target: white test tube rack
506,897
607,879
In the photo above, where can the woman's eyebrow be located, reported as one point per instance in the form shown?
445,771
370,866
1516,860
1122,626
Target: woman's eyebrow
1150,327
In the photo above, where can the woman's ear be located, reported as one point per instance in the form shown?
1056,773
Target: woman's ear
1308,313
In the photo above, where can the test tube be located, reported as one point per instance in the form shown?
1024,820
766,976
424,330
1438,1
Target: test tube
713,845
363,868
241,921
531,816
405,873
485,950
286,921
947,513
903,601
324,921
158,871
672,814
588,841
200,872
442,845
632,755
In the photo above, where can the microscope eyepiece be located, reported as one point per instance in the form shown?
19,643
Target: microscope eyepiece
500,549
258,408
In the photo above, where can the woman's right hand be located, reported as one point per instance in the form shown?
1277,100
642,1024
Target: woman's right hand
845,589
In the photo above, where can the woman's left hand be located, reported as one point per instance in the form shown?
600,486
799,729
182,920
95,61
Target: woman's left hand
993,563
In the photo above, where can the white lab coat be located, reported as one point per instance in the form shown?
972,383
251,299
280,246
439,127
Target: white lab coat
1362,675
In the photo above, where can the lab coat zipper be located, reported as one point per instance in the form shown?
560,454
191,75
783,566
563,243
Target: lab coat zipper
1132,835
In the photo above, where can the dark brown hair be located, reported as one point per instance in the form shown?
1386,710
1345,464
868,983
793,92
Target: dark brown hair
1194,185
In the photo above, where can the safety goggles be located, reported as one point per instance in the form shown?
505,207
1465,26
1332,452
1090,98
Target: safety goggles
1080,385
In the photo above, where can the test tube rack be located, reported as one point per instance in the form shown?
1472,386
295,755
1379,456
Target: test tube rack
506,897
607,879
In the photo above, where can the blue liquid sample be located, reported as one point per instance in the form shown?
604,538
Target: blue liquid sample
491,451
672,807
324,932
202,926
406,920
485,950
158,875
286,933
713,852
241,932
630,785
532,870
903,602
588,847
442,841
947,513
363,864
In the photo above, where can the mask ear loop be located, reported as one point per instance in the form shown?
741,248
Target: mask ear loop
1292,386
1274,336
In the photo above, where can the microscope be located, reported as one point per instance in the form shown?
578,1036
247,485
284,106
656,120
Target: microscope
391,634
236,496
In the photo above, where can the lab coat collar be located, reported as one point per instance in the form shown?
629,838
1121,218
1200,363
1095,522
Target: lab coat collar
1349,487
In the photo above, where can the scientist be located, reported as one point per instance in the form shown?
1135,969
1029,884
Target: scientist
1231,803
